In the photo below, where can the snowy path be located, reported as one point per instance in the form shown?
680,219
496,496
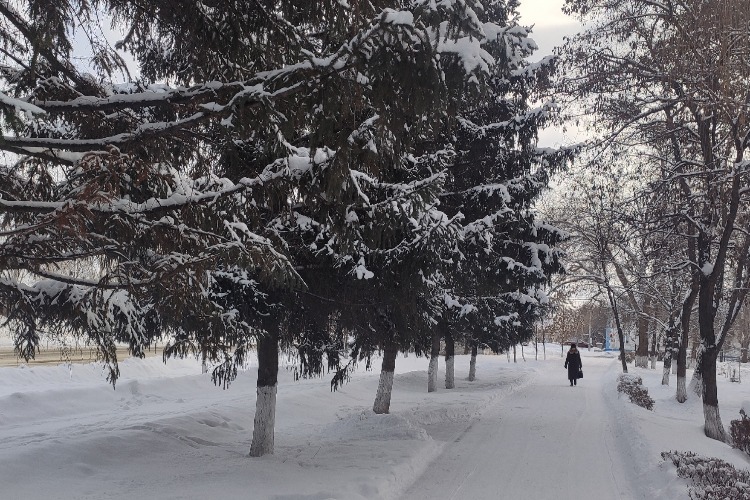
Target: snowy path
517,432
548,441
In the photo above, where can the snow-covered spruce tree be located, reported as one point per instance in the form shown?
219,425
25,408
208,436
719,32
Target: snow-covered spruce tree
396,303
399,238
506,252
116,224
681,69
180,195
365,190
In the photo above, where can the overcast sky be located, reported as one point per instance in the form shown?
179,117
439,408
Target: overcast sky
550,26
549,22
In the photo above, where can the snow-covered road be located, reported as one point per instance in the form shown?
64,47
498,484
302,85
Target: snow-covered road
547,441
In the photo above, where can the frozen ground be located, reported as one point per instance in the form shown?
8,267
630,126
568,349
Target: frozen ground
519,431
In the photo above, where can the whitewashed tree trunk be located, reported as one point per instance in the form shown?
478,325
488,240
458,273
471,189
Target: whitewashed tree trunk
265,404
674,368
450,351
682,345
653,362
432,374
383,396
641,361
385,386
265,420
667,364
713,426
665,374
473,364
681,389
696,384
450,379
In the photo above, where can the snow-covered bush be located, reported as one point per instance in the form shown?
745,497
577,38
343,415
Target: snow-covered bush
740,432
632,385
629,357
710,478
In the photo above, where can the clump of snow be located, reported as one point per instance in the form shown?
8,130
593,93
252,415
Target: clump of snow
361,271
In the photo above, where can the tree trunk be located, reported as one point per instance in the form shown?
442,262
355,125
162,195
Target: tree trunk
641,351
685,314
385,387
473,363
713,426
708,353
450,351
667,367
682,367
432,372
652,354
670,348
265,404
620,333
696,383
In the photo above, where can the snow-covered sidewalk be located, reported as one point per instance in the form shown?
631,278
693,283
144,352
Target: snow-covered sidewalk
519,431
549,441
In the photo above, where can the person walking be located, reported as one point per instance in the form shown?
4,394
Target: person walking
573,364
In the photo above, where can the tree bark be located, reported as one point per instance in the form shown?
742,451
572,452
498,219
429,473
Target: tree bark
432,372
265,404
473,363
670,349
620,334
685,314
713,426
696,383
681,394
641,352
385,386
450,351
667,367
652,354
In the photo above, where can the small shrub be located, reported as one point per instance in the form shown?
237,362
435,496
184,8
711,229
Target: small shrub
632,385
710,478
629,357
740,432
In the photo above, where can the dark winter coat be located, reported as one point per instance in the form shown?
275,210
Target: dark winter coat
573,364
